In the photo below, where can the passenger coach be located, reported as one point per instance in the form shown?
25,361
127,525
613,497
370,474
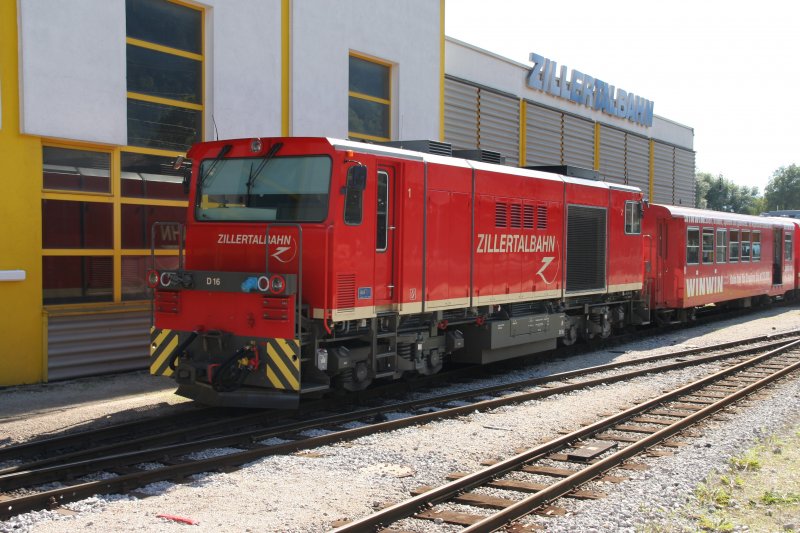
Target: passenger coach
698,257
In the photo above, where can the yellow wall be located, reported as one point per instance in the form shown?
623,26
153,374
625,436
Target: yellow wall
21,331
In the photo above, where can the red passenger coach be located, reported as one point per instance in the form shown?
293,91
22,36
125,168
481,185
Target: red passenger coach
700,257
315,263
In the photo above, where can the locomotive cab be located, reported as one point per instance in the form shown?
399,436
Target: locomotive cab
229,322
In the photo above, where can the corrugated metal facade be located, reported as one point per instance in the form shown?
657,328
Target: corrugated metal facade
94,344
663,172
578,142
684,177
637,162
460,115
498,125
543,135
612,153
476,117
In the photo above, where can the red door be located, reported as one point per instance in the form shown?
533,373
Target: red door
384,241
661,246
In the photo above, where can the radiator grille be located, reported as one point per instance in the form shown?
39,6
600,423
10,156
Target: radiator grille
541,222
586,248
500,215
516,216
346,292
529,217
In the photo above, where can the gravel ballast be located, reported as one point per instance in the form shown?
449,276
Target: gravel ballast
309,490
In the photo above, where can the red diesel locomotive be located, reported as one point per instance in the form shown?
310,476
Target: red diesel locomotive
314,263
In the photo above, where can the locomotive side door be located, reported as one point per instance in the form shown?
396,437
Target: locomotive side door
384,241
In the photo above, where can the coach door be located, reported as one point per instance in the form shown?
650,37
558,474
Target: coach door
777,256
661,260
384,241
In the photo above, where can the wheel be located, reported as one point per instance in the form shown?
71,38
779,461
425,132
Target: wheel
356,379
570,335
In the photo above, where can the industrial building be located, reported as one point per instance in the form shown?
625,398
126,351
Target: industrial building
98,97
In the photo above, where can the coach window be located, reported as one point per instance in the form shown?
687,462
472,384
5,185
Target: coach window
369,97
722,245
383,211
734,246
633,218
693,246
708,245
745,245
787,248
756,246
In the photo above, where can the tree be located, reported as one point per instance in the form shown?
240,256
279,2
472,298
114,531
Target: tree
721,194
783,189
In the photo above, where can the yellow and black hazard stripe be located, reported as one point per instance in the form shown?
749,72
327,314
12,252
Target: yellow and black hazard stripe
162,343
283,363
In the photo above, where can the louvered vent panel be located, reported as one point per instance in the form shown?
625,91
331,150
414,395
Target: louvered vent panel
663,173
529,217
543,136
541,217
578,142
586,248
499,125
684,177
501,215
516,216
612,154
346,292
460,114
637,162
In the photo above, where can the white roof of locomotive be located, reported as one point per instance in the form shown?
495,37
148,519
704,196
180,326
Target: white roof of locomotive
468,163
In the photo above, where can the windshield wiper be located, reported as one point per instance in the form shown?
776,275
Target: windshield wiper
222,153
251,179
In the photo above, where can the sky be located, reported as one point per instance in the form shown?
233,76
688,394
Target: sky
729,70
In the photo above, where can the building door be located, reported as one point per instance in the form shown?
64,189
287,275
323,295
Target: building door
384,241
777,256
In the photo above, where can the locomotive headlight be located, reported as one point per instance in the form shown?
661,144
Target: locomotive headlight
167,278
255,145
322,359
277,284
152,279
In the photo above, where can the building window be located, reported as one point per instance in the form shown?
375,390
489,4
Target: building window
370,100
99,206
693,246
722,245
708,245
76,170
165,74
633,218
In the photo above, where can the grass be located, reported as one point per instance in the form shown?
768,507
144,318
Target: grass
749,461
758,490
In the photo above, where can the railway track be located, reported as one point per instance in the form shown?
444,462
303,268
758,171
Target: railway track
160,430
590,453
18,484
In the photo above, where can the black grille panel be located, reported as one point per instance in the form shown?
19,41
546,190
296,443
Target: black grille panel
586,248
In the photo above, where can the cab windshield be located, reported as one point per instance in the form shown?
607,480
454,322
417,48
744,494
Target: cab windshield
280,189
